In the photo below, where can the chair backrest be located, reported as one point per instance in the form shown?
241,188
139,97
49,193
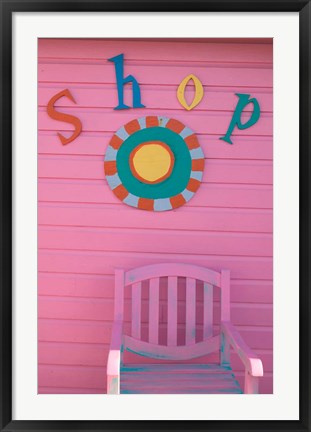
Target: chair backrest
172,271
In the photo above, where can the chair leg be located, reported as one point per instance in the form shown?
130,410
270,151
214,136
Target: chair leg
224,351
251,384
113,384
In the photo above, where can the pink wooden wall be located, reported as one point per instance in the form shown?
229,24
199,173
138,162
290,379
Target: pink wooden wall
85,232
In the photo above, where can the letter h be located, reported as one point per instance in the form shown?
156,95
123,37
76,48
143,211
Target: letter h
121,81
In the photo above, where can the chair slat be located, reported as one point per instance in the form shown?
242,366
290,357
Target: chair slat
136,310
172,311
154,310
190,311
207,311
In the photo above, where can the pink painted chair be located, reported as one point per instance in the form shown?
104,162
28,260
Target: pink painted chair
167,376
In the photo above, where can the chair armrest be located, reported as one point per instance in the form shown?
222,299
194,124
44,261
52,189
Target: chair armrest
251,361
114,359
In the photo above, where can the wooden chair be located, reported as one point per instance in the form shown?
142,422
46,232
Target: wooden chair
169,377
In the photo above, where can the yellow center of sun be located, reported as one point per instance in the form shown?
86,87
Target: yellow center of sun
152,162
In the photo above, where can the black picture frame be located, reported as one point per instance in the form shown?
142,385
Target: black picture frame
8,7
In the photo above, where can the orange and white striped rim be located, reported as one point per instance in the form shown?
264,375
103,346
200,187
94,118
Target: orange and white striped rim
154,204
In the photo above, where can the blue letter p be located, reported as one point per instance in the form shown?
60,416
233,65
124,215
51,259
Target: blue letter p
236,118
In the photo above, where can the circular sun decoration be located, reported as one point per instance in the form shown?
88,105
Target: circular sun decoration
154,163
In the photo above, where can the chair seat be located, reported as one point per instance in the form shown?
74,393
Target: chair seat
174,379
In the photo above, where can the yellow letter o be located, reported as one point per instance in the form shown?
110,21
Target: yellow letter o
198,92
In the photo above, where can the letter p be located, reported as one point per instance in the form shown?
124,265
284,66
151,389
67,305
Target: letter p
236,118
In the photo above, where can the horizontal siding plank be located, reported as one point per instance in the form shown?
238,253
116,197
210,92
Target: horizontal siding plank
101,239
57,353
142,49
102,286
74,331
70,390
72,376
120,216
101,310
92,143
105,120
104,263
216,171
210,195
103,96
155,74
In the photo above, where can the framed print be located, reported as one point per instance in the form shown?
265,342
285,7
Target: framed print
155,216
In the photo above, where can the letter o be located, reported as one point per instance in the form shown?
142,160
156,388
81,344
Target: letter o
198,92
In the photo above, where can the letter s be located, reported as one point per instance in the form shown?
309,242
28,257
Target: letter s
64,117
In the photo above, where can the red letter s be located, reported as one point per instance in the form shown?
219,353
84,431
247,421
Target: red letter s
64,117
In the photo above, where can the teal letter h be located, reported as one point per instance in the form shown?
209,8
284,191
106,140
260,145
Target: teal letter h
121,81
